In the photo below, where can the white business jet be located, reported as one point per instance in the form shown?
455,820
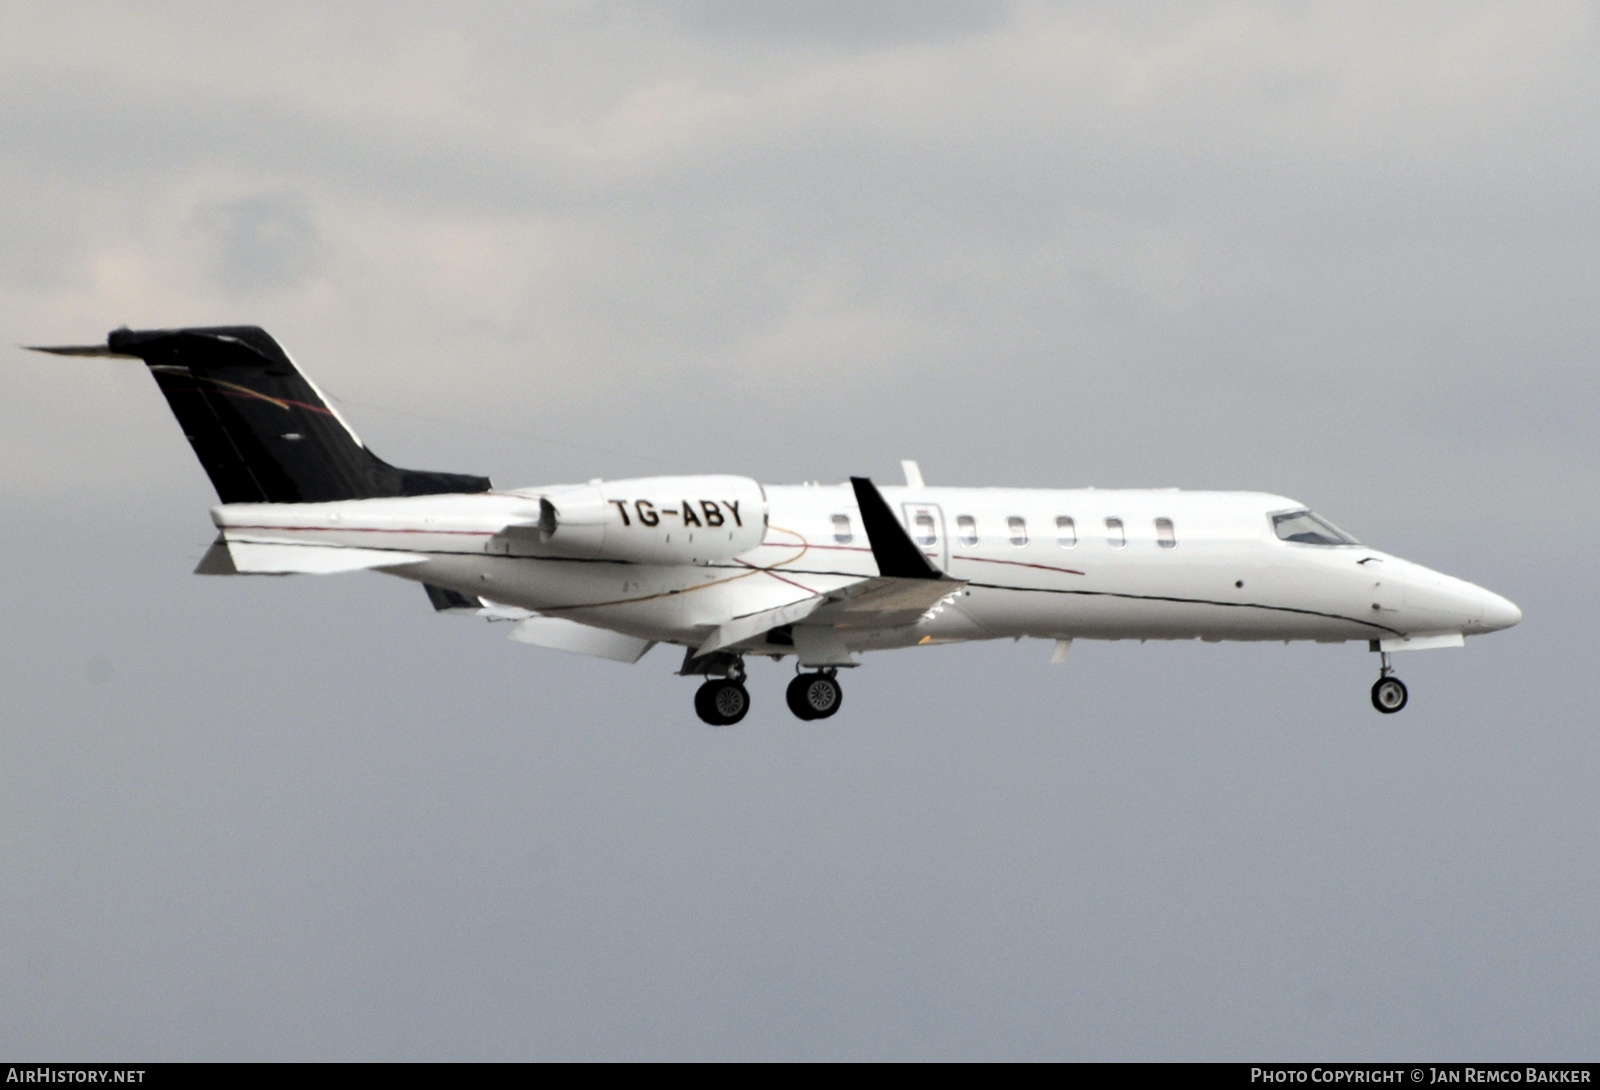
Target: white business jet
725,567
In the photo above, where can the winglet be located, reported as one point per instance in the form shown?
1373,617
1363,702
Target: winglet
897,555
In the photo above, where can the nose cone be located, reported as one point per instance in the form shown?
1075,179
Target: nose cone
1435,602
1498,612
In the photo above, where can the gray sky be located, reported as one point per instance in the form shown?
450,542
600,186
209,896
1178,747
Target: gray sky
1340,251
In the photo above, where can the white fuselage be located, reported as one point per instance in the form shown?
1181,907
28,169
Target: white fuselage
1063,564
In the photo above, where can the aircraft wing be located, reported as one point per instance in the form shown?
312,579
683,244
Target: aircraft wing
907,587
883,603
872,602
908,584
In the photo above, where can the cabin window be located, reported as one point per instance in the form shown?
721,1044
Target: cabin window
1166,536
841,530
967,529
1066,532
1116,536
926,535
1309,529
1019,530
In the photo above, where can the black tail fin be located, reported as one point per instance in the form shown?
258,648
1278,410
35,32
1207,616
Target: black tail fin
261,429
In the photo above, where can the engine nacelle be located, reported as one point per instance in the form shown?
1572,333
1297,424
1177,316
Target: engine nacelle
654,520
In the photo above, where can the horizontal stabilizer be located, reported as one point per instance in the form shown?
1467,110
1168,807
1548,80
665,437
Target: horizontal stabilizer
560,634
279,558
217,561
282,558
80,350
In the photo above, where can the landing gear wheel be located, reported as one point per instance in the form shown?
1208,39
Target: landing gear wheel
1389,695
722,701
814,696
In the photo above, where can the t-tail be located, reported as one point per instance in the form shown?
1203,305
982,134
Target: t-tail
262,430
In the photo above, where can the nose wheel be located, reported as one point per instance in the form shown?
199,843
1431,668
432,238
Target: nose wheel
1388,692
814,696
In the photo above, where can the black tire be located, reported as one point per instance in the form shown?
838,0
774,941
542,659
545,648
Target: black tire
1389,695
722,702
702,704
795,694
814,696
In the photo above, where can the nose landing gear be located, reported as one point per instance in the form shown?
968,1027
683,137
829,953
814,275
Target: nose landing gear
1388,692
814,696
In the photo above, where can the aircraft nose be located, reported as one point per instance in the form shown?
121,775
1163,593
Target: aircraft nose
1498,612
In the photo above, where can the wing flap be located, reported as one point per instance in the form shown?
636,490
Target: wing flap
751,625
885,602
560,634
817,645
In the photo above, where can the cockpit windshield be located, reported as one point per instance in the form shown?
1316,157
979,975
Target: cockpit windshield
1309,528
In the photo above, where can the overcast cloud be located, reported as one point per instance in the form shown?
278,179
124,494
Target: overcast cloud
1340,251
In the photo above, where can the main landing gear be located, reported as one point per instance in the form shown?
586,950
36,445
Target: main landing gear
723,701
814,696
1388,692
